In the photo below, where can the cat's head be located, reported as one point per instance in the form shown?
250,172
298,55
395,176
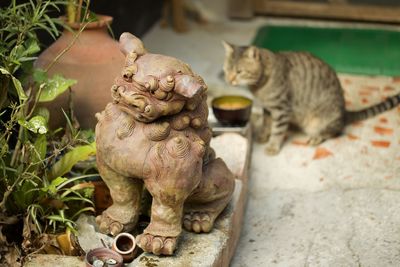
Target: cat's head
242,65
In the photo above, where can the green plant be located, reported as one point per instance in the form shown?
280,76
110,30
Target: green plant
19,43
60,204
34,160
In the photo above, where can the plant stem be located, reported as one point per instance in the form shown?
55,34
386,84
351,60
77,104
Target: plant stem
37,96
22,114
17,147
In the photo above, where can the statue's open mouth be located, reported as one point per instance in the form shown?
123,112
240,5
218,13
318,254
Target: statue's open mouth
135,112
134,103
137,106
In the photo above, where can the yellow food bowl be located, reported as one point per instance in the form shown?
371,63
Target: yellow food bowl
232,110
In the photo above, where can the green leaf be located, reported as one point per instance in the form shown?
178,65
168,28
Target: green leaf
33,211
25,74
87,135
24,59
17,84
72,180
39,75
31,47
40,148
51,23
18,51
66,163
23,196
36,124
52,187
44,112
76,186
55,87
81,199
75,216
59,218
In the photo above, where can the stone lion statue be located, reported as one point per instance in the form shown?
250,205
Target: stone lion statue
155,134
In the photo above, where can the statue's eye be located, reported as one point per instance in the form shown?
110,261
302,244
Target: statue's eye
238,71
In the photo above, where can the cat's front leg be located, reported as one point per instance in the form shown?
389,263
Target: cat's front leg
263,132
279,127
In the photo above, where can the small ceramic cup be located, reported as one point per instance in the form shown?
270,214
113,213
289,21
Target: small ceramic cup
125,245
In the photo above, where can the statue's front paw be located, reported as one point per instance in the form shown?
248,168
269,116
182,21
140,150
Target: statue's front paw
107,225
158,245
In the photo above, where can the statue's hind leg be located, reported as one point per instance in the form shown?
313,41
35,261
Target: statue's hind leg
210,198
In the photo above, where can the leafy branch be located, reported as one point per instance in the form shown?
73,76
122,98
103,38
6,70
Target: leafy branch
34,161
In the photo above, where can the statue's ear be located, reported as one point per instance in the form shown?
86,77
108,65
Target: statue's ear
129,43
188,85
228,47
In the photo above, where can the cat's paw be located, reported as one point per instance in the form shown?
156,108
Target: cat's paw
315,140
262,135
272,149
261,138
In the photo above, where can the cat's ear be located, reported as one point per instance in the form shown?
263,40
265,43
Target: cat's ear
252,52
228,47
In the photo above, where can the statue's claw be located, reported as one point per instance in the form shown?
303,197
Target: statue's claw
109,226
158,245
198,222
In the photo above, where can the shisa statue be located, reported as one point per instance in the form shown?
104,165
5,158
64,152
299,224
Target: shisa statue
155,134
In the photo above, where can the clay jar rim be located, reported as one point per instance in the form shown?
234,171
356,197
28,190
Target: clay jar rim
102,21
124,235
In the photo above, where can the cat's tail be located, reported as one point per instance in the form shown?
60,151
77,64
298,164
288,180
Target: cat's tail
389,103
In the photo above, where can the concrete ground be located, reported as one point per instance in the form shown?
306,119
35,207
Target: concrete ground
332,205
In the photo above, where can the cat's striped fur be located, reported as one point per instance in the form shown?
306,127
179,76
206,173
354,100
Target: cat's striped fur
294,87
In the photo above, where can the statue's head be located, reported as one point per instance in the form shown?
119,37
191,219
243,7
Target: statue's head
153,85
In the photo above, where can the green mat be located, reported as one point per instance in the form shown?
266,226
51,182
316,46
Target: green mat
358,51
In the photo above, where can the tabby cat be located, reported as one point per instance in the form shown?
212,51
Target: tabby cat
296,88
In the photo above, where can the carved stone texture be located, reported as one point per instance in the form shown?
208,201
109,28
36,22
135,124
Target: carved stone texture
155,134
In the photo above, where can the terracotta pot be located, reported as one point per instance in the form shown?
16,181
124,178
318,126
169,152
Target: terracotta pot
94,60
125,245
